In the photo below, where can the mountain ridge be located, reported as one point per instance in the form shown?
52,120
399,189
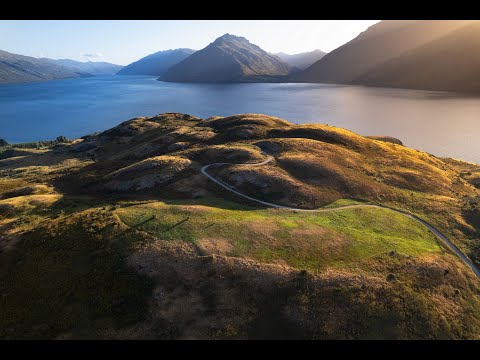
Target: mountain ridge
15,68
228,58
379,43
302,60
90,67
447,63
158,63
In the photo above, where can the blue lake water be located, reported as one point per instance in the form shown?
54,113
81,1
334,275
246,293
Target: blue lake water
443,124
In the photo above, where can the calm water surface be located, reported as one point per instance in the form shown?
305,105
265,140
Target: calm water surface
441,123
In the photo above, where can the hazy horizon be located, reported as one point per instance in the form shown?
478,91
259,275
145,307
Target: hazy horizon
124,41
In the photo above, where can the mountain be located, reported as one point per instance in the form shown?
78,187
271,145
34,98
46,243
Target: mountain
229,59
156,64
19,68
121,235
449,63
381,42
90,67
302,60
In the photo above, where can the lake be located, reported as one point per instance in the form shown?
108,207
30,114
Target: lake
443,124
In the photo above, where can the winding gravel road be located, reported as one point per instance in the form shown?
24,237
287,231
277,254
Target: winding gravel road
436,232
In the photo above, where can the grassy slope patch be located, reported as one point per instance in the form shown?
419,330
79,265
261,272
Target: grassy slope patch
310,241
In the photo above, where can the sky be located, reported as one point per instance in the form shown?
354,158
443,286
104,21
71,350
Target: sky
124,41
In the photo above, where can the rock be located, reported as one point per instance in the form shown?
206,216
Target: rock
62,139
177,146
391,278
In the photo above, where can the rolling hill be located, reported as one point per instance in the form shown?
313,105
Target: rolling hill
18,68
229,59
120,235
156,64
302,60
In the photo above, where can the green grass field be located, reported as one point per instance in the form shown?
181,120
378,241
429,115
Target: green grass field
311,241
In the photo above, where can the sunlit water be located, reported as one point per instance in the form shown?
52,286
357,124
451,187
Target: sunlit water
441,123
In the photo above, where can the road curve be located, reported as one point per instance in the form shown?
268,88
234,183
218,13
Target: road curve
435,232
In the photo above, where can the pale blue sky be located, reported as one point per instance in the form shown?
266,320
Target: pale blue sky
124,41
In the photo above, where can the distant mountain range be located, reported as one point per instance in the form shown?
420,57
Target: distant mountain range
419,54
229,59
90,67
156,64
302,60
18,68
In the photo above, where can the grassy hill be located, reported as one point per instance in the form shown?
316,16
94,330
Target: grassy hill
118,235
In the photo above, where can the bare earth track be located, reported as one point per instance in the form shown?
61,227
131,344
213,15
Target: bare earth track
436,232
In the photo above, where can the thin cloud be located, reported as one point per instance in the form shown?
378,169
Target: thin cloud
92,55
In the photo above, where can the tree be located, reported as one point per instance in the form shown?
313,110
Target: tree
3,142
62,139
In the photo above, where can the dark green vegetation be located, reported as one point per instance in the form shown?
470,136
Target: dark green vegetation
10,150
118,235
386,139
156,64
229,59
418,54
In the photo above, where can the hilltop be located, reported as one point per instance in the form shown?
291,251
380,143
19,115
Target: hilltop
119,235
229,58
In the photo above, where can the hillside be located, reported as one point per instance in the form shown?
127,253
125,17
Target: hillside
90,67
156,64
18,68
229,59
302,60
381,42
449,63
119,235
